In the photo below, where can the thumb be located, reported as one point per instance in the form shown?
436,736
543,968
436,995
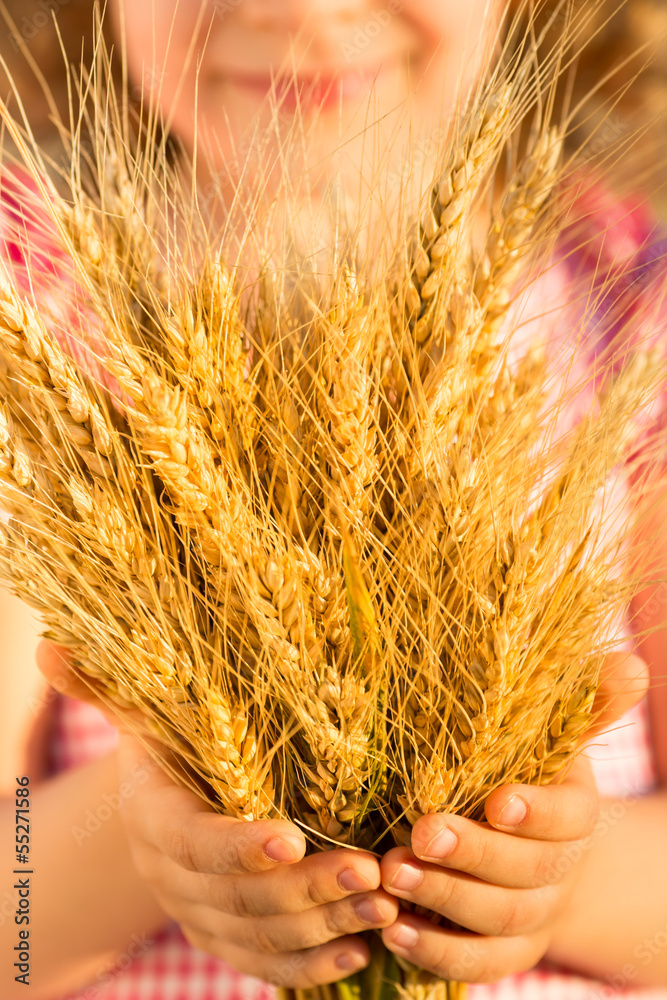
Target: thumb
623,683
55,662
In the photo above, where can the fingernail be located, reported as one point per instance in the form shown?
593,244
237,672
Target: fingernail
351,881
513,812
283,849
406,878
405,937
350,962
442,845
367,911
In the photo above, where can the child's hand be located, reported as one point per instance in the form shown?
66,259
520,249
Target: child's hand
508,879
507,887
241,890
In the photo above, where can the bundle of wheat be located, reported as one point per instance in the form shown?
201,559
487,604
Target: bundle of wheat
328,542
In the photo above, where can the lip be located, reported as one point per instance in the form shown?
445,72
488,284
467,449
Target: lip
309,91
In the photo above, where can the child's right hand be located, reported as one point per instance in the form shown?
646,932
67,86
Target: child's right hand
244,891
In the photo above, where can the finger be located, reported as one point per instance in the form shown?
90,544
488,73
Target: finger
315,927
180,825
462,957
477,849
623,683
467,901
55,663
566,811
317,880
300,970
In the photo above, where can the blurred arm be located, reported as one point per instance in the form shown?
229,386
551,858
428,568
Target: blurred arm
87,903
20,683
616,923
86,898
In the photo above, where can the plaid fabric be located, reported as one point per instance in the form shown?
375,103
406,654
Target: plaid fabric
170,969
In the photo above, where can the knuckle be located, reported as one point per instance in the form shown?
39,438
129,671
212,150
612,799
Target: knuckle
179,849
234,859
262,940
547,810
336,921
245,857
527,913
234,900
440,963
484,855
447,891
313,892
274,971
239,855
544,869
510,919
292,971
309,976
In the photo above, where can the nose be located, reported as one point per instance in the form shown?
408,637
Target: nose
291,15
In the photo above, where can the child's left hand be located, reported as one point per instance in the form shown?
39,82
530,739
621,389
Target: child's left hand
507,887
506,880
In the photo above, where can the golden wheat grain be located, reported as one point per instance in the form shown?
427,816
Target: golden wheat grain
446,217
513,228
347,405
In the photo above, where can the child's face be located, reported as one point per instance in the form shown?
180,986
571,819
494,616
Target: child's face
325,55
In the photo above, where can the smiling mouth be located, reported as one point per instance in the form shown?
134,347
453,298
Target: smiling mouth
325,90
